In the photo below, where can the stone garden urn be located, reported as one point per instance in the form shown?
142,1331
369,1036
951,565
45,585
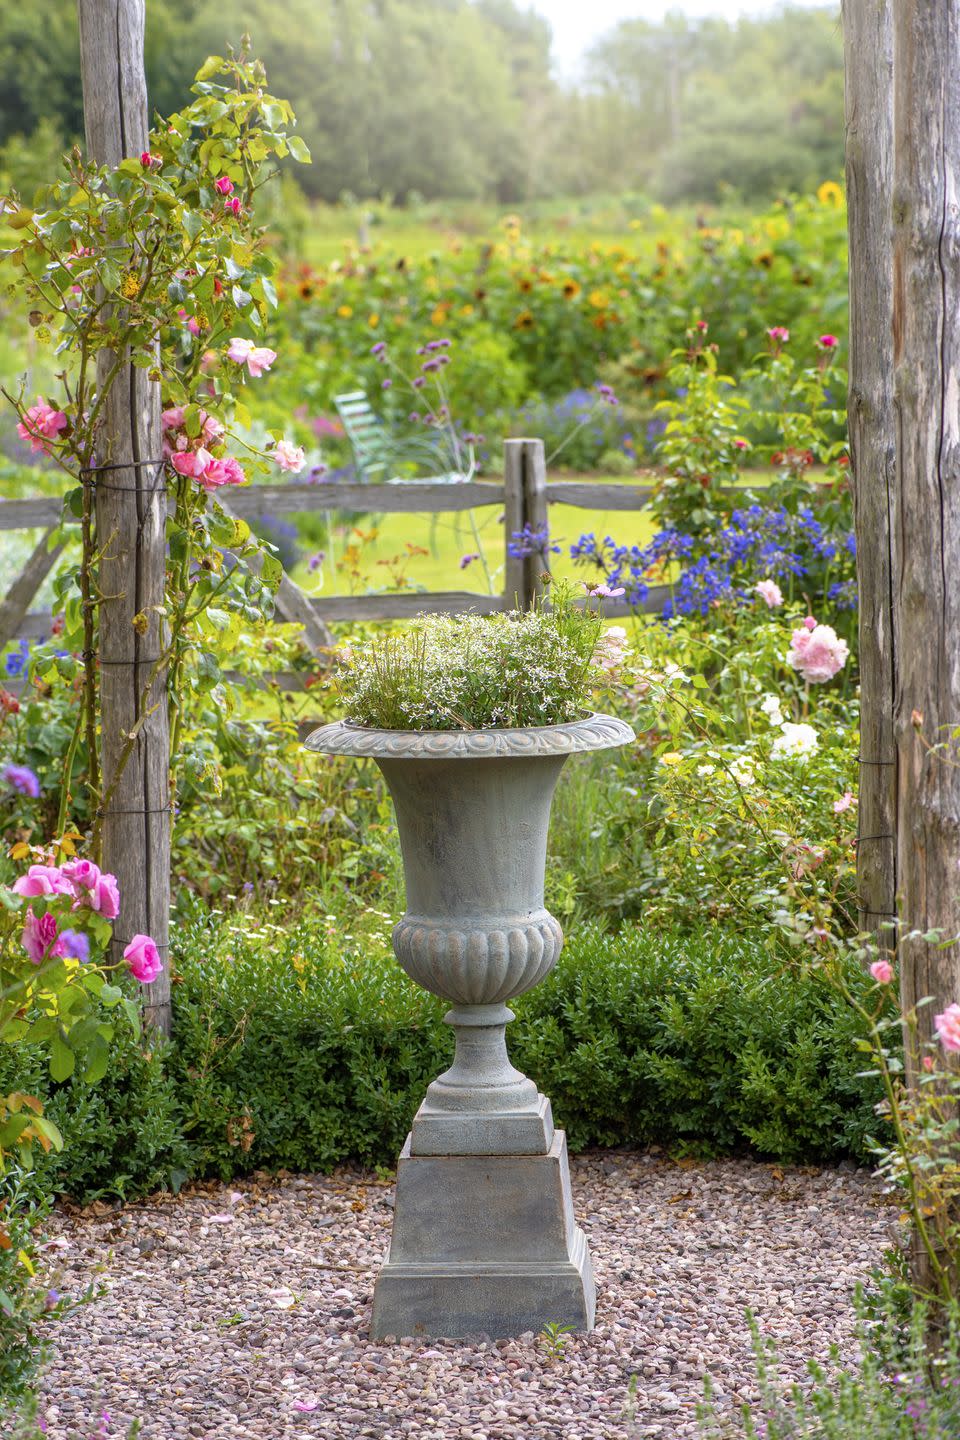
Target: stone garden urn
484,1237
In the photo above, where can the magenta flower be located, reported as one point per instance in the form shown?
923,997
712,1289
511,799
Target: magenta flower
41,424
947,1028
882,971
40,939
22,778
817,654
42,880
827,342
224,185
143,958
779,334
94,887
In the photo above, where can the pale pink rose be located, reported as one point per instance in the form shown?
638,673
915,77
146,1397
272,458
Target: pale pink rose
947,1027
927,1063
809,623
289,456
882,971
143,958
770,592
211,428
173,418
40,938
40,424
817,654
42,880
844,803
239,349
259,359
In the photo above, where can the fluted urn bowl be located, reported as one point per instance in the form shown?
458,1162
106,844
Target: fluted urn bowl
473,811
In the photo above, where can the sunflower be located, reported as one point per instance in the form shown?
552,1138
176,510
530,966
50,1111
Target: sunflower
373,321
571,288
524,320
306,289
345,310
598,299
830,193
525,284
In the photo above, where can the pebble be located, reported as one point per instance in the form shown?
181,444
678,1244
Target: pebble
258,1329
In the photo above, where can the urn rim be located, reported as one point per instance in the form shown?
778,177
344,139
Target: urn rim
595,731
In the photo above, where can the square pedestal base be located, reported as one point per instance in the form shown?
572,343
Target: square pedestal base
484,1243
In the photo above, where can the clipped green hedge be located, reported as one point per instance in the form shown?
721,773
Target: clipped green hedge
298,1054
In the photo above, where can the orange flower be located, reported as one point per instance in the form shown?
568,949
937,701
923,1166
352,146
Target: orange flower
345,310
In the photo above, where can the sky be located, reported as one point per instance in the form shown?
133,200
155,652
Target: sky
576,23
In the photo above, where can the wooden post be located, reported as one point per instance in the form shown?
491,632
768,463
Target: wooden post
868,49
525,504
130,521
926,346
16,602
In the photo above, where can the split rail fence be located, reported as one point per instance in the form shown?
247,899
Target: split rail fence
524,496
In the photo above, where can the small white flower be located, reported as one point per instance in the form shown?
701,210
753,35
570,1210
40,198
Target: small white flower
794,740
706,769
742,772
770,705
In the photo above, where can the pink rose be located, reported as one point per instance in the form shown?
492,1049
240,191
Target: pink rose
42,880
770,592
828,342
100,890
233,206
882,971
844,803
257,358
224,185
215,474
173,419
210,428
236,471
817,654
40,424
289,456
947,1027
143,958
40,938
779,334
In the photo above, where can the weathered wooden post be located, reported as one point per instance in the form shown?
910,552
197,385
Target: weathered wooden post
525,504
926,509
868,51
130,520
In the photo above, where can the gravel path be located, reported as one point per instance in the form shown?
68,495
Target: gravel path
241,1314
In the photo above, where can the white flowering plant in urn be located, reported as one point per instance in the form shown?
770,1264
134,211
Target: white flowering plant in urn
471,720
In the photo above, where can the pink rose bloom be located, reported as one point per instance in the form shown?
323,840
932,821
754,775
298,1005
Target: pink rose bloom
42,880
173,419
236,471
770,592
40,424
233,206
817,654
210,427
101,891
289,456
844,803
143,958
779,334
224,185
215,474
947,1027
828,342
260,359
40,938
191,463
257,358
882,971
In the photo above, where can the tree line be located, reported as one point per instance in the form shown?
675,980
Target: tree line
458,98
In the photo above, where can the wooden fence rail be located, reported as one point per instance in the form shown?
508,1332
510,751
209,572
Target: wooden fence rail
525,496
